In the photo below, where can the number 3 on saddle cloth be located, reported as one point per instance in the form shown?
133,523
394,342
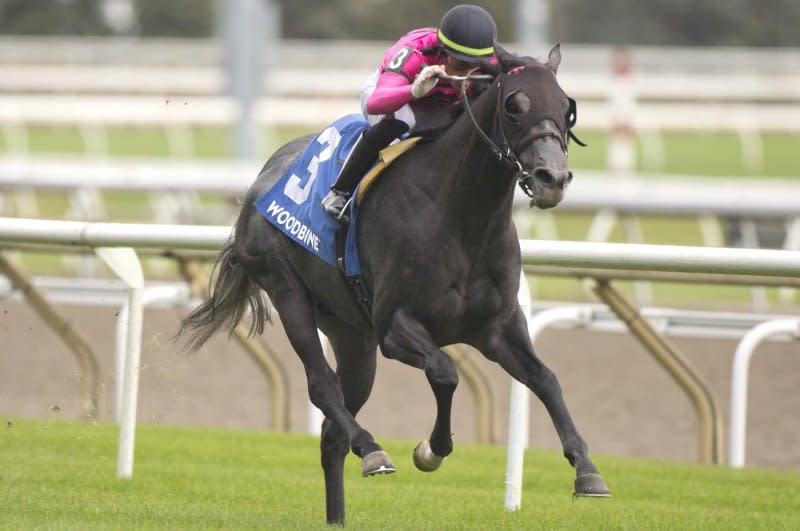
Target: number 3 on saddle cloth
292,204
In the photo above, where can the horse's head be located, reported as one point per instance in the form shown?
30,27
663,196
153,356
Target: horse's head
534,121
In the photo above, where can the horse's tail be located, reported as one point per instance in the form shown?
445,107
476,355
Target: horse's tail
232,293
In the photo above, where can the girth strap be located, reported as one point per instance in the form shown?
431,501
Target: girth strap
358,289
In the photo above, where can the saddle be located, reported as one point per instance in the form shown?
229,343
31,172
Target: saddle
385,157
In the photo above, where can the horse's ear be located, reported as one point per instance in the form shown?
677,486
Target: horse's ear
507,60
554,58
491,69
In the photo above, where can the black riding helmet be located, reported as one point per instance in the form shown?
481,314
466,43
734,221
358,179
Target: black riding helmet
467,32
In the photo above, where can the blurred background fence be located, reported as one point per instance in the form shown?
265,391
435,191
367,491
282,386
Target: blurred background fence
91,83
634,101
149,111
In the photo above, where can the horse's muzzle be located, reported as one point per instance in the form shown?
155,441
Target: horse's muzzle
548,186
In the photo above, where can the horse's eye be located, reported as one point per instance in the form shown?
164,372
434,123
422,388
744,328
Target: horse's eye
572,113
517,103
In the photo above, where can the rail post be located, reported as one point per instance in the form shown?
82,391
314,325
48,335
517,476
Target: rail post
739,377
125,264
687,377
519,405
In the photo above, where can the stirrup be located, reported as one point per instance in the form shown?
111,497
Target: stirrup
335,205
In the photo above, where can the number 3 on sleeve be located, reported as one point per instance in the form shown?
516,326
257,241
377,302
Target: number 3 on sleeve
397,62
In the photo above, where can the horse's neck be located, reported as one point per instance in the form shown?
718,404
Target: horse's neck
481,187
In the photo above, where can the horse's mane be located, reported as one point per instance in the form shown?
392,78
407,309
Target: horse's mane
508,62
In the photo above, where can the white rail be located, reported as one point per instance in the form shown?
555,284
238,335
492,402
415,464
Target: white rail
575,256
89,234
629,257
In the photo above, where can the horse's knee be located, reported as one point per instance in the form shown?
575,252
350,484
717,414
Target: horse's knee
392,350
323,388
441,372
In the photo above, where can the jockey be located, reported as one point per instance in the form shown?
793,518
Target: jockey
405,89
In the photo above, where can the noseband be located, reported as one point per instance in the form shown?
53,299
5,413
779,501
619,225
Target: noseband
505,153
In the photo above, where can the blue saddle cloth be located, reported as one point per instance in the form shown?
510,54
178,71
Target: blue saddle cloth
293,202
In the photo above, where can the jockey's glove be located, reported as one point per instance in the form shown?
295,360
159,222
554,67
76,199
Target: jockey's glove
426,80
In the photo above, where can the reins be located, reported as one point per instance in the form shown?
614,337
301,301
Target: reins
505,154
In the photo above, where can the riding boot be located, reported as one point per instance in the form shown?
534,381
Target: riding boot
360,160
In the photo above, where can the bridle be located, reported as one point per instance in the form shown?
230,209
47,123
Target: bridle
506,153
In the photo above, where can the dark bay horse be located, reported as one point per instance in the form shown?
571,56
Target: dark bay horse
440,257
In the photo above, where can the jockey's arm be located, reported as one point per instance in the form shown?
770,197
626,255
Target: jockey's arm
392,91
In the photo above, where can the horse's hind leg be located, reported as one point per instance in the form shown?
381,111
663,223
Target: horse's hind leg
355,366
295,309
408,341
508,344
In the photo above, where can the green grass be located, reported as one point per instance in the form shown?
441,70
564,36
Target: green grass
60,475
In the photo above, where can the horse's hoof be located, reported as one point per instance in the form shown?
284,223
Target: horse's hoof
425,459
591,486
376,462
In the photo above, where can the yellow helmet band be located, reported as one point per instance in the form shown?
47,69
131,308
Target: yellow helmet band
474,52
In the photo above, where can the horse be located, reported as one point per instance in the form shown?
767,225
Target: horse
440,261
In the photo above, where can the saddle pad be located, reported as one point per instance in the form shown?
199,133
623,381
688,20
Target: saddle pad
292,204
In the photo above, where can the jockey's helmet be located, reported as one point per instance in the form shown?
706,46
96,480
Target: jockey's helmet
467,32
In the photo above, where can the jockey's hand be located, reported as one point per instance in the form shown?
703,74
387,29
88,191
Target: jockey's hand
426,80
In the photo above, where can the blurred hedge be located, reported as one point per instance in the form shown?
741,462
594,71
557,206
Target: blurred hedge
656,22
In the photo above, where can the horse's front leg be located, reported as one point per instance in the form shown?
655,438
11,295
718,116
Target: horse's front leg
407,341
508,343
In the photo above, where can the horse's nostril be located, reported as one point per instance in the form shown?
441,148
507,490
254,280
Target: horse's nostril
544,176
551,178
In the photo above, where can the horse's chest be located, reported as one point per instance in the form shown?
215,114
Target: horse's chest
484,299
460,305
453,314
475,294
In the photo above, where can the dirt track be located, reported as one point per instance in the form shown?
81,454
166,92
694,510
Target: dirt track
621,400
